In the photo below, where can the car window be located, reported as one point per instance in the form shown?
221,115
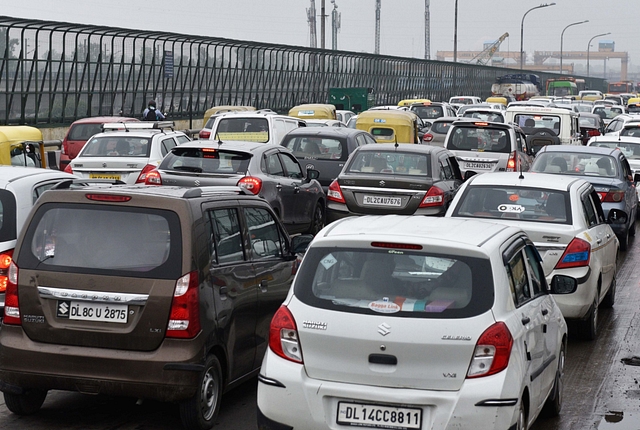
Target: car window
247,129
589,211
518,279
166,146
428,112
84,131
576,164
551,122
41,188
479,139
274,166
445,168
226,236
117,146
206,160
390,162
266,240
8,216
182,139
536,274
316,148
410,283
291,166
484,116
440,127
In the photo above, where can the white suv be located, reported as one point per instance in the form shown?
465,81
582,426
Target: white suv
403,322
264,127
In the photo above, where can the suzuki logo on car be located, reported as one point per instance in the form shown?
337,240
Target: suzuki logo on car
196,183
310,166
384,329
104,164
382,183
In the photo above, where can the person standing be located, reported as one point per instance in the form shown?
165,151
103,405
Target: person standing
151,113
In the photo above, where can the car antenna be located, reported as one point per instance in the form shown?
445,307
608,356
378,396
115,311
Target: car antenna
218,139
521,175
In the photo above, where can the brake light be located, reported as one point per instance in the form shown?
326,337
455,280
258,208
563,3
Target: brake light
143,174
428,137
577,254
153,178
204,134
108,198
5,261
68,169
481,123
251,183
492,352
392,245
592,133
283,336
511,164
11,305
335,192
184,319
434,197
614,195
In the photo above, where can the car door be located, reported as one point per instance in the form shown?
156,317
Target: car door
449,182
278,189
630,196
304,198
600,237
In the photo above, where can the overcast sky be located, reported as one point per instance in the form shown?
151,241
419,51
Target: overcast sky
402,22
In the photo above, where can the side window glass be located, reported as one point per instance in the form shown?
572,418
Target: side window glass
266,241
589,211
535,270
226,236
595,200
166,146
38,190
182,139
519,143
292,167
361,140
369,139
446,168
274,167
518,280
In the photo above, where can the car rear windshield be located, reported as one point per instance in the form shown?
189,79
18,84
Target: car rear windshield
246,129
320,148
392,281
428,112
104,239
632,131
608,112
117,146
462,101
440,127
206,160
390,163
484,116
84,131
576,164
521,203
550,122
631,150
589,121
480,139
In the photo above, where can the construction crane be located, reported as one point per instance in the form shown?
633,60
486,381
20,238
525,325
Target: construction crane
485,56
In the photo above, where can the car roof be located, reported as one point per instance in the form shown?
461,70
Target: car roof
615,139
104,119
492,124
13,173
543,110
232,145
449,119
418,149
325,131
484,109
580,149
529,179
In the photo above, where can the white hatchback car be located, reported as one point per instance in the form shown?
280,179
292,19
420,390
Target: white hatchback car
402,322
564,218
126,151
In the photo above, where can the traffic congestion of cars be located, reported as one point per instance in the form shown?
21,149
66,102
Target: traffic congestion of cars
422,268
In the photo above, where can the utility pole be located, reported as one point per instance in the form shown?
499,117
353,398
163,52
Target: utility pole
335,25
377,48
322,23
427,31
455,34
311,18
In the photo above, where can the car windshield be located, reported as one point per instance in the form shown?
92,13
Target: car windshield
428,112
480,139
633,131
117,146
206,160
521,203
583,107
440,127
246,129
527,121
631,150
84,131
633,108
576,164
390,163
484,116
607,112
320,148
408,283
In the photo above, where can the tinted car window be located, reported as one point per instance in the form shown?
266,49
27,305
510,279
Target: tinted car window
7,216
84,131
227,235
428,112
577,164
263,231
390,162
484,116
291,166
631,150
316,148
484,139
111,146
551,122
608,112
206,160
518,280
408,283
440,127
166,146
630,131
248,129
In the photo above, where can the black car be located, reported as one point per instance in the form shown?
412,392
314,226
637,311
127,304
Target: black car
389,178
268,171
325,149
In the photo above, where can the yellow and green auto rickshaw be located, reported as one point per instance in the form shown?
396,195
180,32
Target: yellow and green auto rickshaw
221,109
21,145
409,102
500,100
313,111
389,125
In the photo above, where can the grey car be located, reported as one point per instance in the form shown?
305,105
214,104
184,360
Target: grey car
268,171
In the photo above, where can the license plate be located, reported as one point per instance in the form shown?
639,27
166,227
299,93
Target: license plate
382,201
481,166
376,416
88,311
104,176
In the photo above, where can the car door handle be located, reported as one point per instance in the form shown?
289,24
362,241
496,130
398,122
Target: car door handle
608,236
599,241
525,320
279,187
544,311
263,285
296,189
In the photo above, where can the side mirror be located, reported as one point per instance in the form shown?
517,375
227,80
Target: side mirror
561,284
312,174
300,243
616,216
468,174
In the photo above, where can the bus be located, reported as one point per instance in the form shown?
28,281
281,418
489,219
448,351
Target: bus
621,87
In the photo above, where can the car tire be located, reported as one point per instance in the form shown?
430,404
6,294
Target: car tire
589,326
27,403
200,411
521,423
317,220
632,228
610,298
553,405
624,241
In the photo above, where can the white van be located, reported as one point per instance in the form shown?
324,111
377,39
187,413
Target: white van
265,127
556,121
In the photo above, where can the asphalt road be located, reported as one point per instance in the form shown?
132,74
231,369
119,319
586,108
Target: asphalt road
601,391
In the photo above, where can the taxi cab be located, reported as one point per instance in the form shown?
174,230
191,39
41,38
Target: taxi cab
390,125
21,145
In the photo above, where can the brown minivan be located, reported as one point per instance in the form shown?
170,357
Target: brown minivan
163,293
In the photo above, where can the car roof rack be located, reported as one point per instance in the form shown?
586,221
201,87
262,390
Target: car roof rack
196,192
138,125
66,184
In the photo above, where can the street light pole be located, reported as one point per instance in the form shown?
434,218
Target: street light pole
522,31
562,39
455,34
588,49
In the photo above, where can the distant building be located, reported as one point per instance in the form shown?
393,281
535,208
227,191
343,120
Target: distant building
606,46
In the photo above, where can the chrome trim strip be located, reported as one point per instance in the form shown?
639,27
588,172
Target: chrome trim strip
269,381
545,364
92,296
393,190
498,402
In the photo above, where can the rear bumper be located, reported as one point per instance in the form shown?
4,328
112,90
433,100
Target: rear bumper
337,211
576,305
169,373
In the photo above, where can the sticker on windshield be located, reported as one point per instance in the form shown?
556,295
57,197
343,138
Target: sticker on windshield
517,209
328,261
384,306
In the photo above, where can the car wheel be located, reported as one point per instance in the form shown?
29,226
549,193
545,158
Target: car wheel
610,297
317,221
201,411
521,423
632,228
553,405
27,403
589,326
624,241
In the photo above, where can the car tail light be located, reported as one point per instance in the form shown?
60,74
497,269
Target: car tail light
577,254
614,195
283,336
111,198
492,352
184,319
5,261
143,174
153,178
434,197
204,134
511,164
68,169
251,183
11,306
592,133
428,137
335,192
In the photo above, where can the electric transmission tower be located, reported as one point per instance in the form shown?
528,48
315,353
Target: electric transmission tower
335,25
311,19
